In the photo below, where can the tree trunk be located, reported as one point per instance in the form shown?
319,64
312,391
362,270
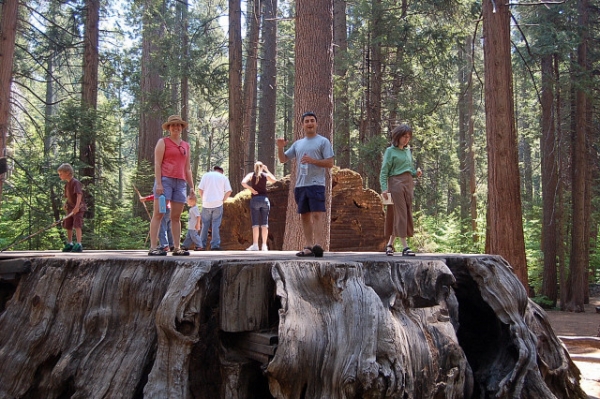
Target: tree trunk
268,86
371,156
237,142
8,34
89,102
505,225
151,88
550,168
185,61
341,109
313,92
357,326
577,278
250,82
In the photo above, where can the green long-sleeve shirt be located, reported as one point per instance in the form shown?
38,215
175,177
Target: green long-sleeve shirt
395,162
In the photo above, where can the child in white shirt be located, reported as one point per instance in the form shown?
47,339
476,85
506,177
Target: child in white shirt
192,238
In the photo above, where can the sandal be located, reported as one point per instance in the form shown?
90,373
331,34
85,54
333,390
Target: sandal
317,250
180,252
407,252
389,250
307,251
157,252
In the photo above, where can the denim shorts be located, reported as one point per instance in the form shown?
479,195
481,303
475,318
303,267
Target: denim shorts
310,198
259,210
174,189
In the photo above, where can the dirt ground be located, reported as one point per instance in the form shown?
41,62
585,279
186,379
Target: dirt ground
586,357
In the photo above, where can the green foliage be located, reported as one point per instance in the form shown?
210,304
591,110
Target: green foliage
544,302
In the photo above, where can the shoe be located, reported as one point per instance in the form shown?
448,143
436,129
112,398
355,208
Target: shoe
180,252
216,249
318,251
389,250
407,252
307,251
157,252
68,248
198,249
253,247
264,247
170,249
77,248
166,248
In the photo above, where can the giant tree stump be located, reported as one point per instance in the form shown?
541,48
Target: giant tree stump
237,325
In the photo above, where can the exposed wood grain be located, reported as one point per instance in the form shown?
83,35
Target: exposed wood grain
427,327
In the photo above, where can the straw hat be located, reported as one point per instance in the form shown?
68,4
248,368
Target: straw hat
174,119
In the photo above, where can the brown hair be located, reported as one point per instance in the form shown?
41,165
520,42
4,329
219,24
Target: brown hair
400,131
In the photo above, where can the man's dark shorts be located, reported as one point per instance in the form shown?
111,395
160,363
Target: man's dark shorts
310,199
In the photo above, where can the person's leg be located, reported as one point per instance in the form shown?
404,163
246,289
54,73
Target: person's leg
318,221
264,230
69,235
255,232
78,234
205,215
165,230
307,227
187,243
176,209
155,225
217,217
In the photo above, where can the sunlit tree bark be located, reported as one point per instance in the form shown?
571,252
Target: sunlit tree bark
504,218
313,92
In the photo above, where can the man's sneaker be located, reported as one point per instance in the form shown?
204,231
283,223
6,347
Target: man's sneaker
77,248
252,247
68,248
264,247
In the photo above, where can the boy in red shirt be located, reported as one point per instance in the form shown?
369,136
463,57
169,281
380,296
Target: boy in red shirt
74,205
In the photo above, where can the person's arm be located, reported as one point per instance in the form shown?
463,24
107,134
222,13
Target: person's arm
384,174
188,175
228,189
78,203
147,198
198,221
245,184
324,163
270,177
159,153
280,154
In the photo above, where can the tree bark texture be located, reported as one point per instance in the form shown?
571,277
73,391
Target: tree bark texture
313,91
8,34
250,84
504,218
237,143
550,170
268,86
577,276
240,326
341,96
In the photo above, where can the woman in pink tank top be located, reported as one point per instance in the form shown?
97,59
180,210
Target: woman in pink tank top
173,174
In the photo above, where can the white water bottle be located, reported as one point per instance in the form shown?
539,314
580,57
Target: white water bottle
162,204
303,169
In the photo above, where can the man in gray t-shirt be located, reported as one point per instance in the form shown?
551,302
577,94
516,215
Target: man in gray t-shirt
314,155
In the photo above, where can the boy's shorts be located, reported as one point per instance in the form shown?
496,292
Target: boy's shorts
74,222
173,189
310,199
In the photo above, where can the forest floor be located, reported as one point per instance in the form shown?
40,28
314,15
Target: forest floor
586,357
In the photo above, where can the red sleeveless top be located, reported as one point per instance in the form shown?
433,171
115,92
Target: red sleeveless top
174,159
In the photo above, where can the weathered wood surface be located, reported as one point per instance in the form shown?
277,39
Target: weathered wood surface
274,326
356,216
